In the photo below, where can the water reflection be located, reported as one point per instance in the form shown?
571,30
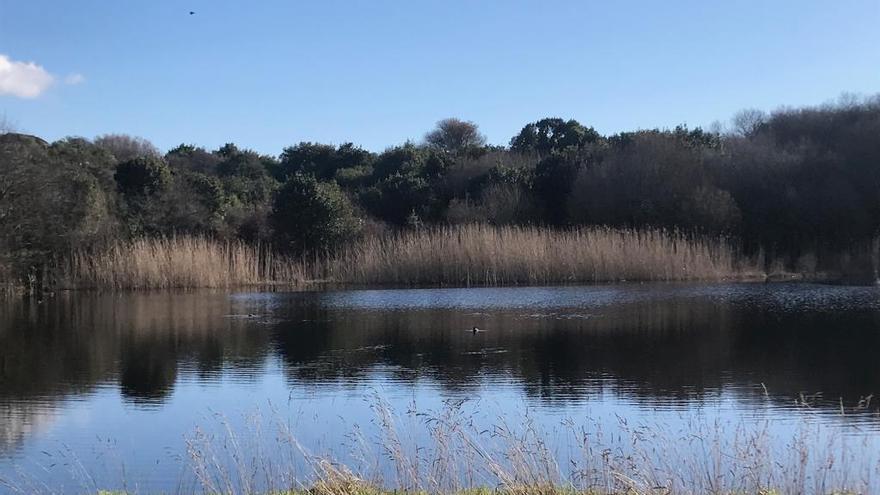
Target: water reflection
657,346
19,420
75,342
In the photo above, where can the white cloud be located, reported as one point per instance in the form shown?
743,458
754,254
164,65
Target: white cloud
75,78
23,79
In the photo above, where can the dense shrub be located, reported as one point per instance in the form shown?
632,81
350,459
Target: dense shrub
142,176
322,160
310,215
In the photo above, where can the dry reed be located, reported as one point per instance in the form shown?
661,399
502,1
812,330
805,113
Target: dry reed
485,255
454,256
177,262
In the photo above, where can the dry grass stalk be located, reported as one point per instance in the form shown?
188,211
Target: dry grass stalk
460,458
454,255
486,255
178,262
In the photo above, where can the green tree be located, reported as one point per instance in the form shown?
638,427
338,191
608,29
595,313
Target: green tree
311,215
81,154
554,177
187,157
50,202
246,163
143,176
321,160
410,159
399,196
194,203
553,135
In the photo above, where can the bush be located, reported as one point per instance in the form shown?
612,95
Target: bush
399,196
410,159
309,215
142,176
322,160
187,157
553,135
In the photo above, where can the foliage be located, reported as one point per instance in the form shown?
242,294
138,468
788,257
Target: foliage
125,148
790,185
468,175
553,180
310,215
410,159
50,201
197,203
652,179
322,160
247,164
191,158
455,136
142,176
399,196
553,135
353,177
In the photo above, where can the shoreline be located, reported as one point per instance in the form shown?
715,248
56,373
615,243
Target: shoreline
331,285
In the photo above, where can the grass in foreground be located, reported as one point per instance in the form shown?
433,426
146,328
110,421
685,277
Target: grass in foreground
471,255
367,490
550,490
452,451
446,452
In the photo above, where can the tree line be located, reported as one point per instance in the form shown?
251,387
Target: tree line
797,182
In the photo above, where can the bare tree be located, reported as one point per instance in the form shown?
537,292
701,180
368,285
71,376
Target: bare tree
716,127
747,122
455,135
125,147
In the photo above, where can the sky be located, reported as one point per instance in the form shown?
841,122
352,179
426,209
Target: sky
269,74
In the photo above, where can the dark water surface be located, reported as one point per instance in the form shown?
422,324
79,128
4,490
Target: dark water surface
104,389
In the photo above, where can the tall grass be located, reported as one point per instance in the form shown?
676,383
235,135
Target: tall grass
485,255
456,255
448,451
177,262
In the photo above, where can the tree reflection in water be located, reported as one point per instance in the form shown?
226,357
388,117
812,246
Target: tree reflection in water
662,345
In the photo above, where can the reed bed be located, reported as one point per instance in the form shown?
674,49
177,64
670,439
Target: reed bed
177,262
452,256
486,255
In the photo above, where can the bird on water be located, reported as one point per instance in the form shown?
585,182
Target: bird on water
475,330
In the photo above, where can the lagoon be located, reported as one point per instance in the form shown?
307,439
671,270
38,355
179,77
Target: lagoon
136,390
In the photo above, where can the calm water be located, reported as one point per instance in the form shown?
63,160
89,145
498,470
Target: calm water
105,390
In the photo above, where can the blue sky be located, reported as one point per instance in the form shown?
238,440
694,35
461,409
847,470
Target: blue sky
272,73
